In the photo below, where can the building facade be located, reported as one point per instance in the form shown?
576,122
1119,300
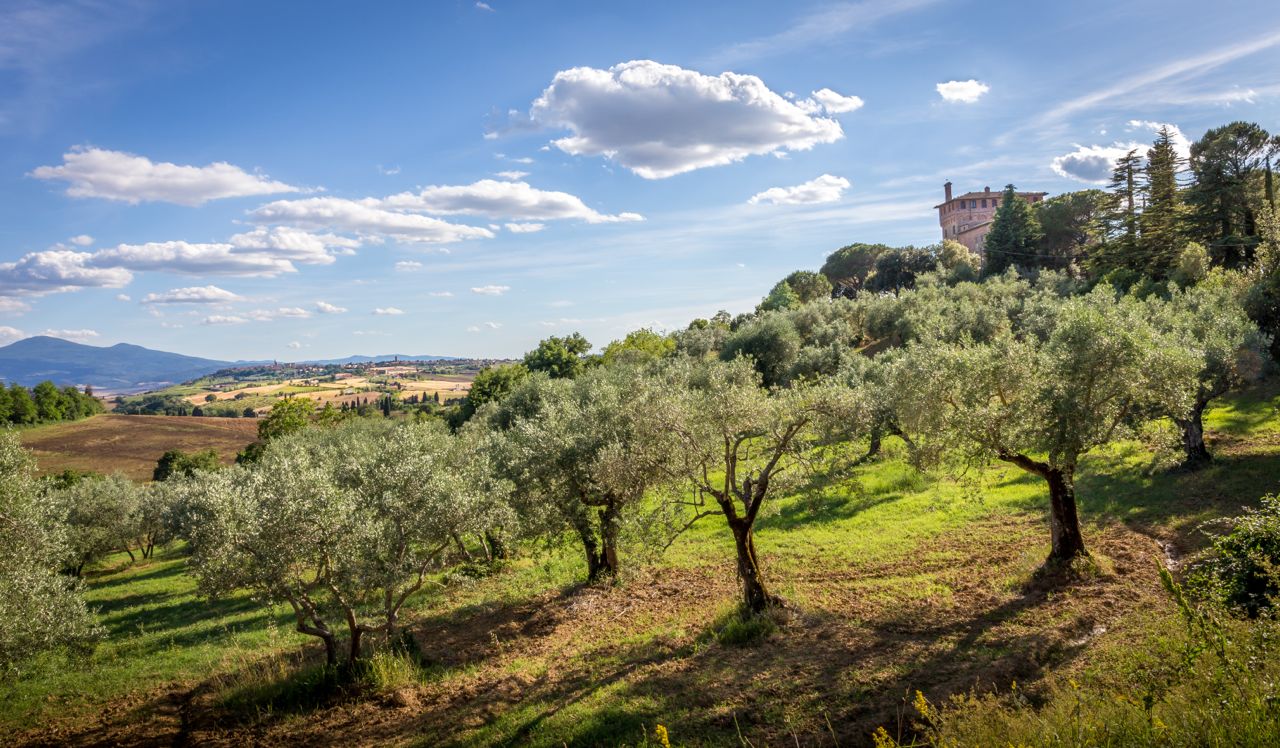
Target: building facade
967,218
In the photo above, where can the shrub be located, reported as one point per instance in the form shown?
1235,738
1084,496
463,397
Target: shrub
1242,568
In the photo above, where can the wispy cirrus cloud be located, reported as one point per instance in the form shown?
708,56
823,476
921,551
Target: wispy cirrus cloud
831,22
1182,69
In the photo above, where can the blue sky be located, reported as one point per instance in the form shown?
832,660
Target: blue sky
273,180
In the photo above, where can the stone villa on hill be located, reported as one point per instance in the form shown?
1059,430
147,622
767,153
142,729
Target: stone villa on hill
967,218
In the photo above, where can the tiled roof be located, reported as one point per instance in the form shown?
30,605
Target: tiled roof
991,194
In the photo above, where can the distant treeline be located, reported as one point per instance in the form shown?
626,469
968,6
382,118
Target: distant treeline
177,405
46,403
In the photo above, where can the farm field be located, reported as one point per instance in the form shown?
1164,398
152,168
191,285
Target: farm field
131,444
882,602
348,390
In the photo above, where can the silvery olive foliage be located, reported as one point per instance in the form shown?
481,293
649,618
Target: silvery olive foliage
1209,319
341,524
587,457
1042,403
101,515
739,445
40,609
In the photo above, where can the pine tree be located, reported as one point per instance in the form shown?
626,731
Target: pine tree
1161,220
1121,219
1014,236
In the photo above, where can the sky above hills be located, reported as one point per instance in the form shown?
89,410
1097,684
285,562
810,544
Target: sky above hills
265,180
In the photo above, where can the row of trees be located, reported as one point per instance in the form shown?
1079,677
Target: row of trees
46,403
343,519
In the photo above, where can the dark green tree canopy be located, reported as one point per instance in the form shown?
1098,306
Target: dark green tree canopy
1015,234
559,357
849,267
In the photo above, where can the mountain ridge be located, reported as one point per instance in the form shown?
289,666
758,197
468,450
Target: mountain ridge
126,367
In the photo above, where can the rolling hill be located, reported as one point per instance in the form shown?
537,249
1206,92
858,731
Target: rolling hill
118,368
124,368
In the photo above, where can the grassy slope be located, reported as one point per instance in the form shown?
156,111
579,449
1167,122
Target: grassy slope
132,444
897,582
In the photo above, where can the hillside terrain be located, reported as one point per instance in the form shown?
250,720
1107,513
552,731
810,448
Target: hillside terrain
131,445
118,368
881,602
126,368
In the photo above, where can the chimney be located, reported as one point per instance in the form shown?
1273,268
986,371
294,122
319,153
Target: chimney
946,190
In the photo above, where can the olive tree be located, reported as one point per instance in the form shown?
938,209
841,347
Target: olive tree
343,525
1209,319
40,609
101,516
583,455
1041,403
741,445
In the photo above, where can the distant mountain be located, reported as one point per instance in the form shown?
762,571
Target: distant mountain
120,368
371,359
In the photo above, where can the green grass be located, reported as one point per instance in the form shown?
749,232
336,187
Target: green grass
883,559
159,631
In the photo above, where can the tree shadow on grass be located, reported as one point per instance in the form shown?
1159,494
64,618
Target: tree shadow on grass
105,579
1174,501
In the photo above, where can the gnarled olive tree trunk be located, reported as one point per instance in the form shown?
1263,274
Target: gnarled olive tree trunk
1195,454
755,593
1064,518
599,537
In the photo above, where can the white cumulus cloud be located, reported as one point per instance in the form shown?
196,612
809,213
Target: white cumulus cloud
75,336
115,175
325,307
54,270
388,311
963,92
525,228
294,244
83,240
192,295
364,217
490,290
494,199
408,266
834,103
10,334
513,175
1092,163
284,312
824,189
190,258
661,120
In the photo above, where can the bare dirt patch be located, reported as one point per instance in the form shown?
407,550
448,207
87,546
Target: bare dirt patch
131,445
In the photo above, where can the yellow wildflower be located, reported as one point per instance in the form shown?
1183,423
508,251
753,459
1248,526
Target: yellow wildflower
922,705
880,738
660,732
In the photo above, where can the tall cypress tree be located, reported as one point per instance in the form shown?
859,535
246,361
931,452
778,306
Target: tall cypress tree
1014,237
1162,213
